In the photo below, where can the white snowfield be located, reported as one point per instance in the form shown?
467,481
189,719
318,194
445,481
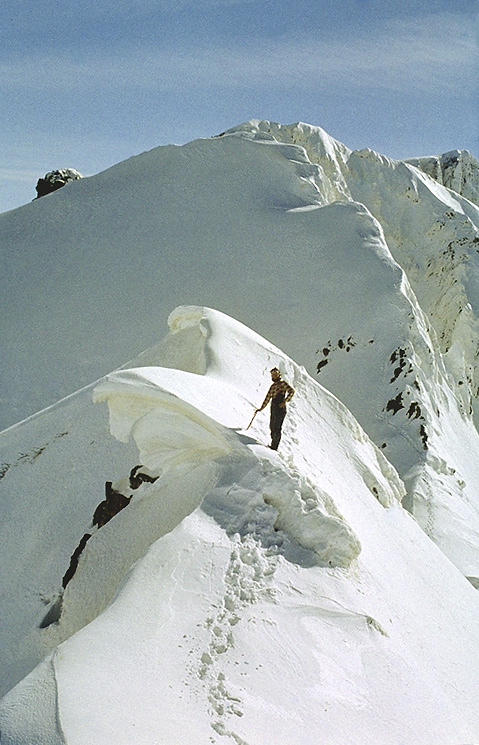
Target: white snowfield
245,596
322,594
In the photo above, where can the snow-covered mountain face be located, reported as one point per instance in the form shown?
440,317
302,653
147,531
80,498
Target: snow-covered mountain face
91,272
363,269
241,595
364,272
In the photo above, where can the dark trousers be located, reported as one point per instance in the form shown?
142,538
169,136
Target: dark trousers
278,414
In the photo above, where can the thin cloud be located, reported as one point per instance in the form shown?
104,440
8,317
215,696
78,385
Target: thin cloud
43,13
423,53
17,175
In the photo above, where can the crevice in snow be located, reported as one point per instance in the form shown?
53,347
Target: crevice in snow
54,612
113,503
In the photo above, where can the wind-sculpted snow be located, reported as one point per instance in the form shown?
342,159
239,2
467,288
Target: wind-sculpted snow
167,430
311,145
242,595
171,433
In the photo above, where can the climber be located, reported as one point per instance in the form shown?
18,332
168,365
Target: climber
279,393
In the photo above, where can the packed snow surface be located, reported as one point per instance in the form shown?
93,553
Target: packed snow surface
324,593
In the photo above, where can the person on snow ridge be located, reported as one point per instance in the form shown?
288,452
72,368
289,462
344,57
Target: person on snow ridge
279,393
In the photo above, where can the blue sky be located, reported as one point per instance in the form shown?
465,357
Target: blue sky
87,83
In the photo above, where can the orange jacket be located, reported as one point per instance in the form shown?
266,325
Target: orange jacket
278,388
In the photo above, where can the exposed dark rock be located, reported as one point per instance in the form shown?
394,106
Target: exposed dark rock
53,614
113,503
75,559
110,506
54,180
395,404
414,410
138,477
424,436
320,365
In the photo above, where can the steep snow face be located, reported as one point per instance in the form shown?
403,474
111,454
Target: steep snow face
421,427
430,230
243,595
313,145
433,234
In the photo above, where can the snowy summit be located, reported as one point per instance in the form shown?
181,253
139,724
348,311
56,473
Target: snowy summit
166,576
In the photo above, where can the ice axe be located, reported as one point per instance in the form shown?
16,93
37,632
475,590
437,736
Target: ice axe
251,422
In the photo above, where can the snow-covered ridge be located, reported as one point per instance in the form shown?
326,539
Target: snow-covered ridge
236,581
179,425
172,434
431,369
409,208
363,270
211,202
313,145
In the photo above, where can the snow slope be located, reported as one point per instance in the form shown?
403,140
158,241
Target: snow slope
245,596
233,222
364,271
198,223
